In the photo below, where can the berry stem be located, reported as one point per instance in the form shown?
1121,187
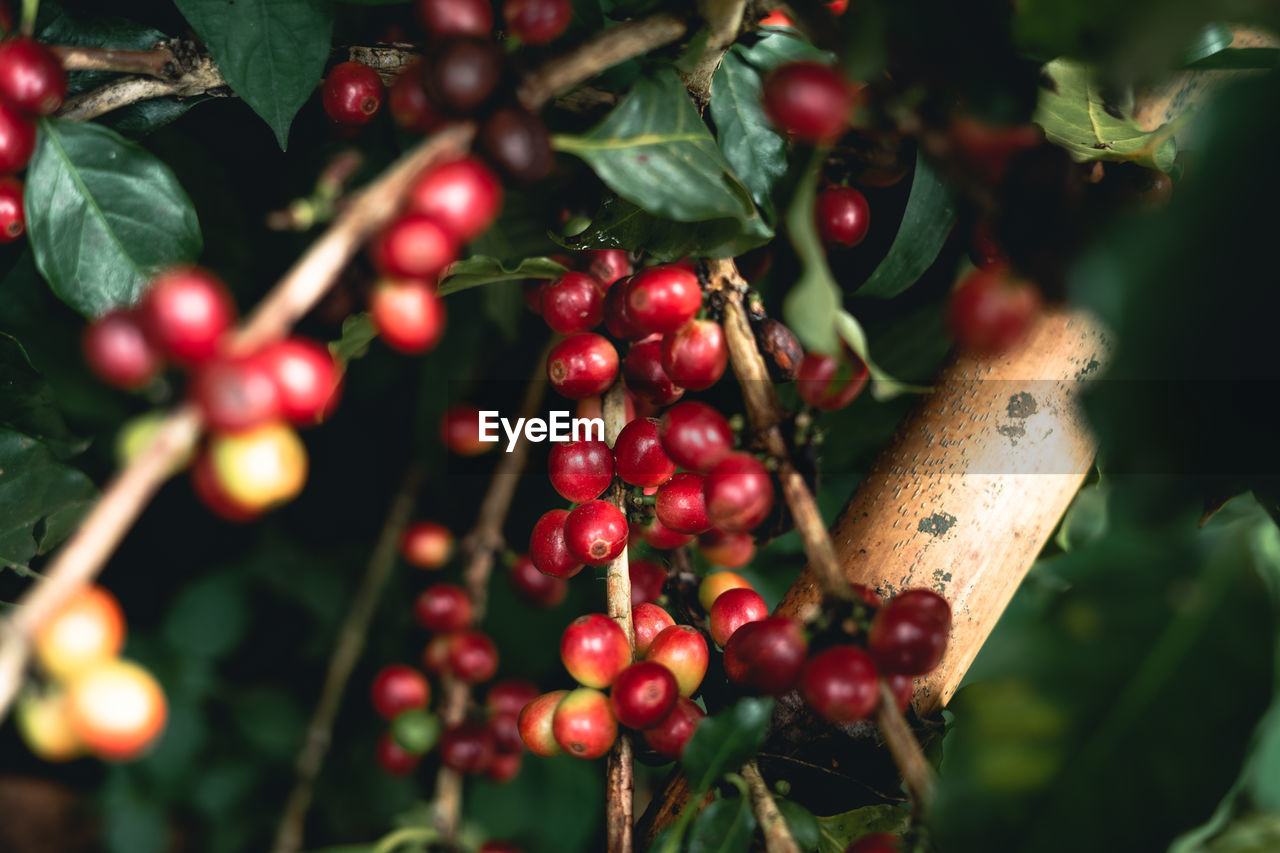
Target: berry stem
777,836
724,22
30,8
916,770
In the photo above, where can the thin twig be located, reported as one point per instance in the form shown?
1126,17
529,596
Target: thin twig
346,653
777,836
916,770
159,62
724,22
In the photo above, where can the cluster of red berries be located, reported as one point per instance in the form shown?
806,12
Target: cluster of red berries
32,84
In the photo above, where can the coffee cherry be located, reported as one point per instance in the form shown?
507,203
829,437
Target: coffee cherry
410,107
185,313
463,197
984,251
427,545
435,657
594,650
460,430
509,696
516,142
548,549
210,492
596,532
500,847
903,688
17,139
781,349
909,632
843,216
583,725
727,550
695,435
662,299
661,537
766,655
647,579
473,657
236,393
416,731
640,457
668,738
607,265
739,493
414,246
580,471
504,767
681,504
716,584
306,376
31,77
461,74
683,650
506,732
393,758
991,312
573,303
841,684
583,365
13,217
829,383
42,721
617,317
733,609
443,607
467,747
456,17
642,369
531,292
540,590
261,467
407,315
116,709
643,695
537,21
809,101
87,629
695,355
398,688
352,93
535,724
877,842
118,352
648,621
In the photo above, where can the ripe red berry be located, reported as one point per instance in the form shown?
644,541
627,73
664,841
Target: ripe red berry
727,550
13,217
393,758
443,608
991,312
643,695
580,470
537,21
547,546
509,696
662,299
645,377
607,265
695,435
669,737
683,650
717,584
410,107
506,731
118,352
407,314
540,590
909,632
535,724
659,536
414,246
808,101
841,684
427,545
647,579
617,317
830,383
733,609
463,196
843,216
596,532
473,657
185,313
984,251
460,430
583,365
398,688
739,493
648,620
504,767
17,139
517,143
640,458
573,303
306,376
594,649
766,655
352,93
236,393
31,76
456,17
583,724
467,747
877,842
210,491
681,504
462,73
695,355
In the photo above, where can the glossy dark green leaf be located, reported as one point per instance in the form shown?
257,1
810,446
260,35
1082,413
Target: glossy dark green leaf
357,334
725,826
804,827
619,224
725,741
779,47
478,270
27,404
271,52
756,152
1085,520
926,224
103,215
841,830
41,499
208,618
811,305
1239,59
1213,38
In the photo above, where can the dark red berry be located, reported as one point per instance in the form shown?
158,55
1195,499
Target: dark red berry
727,550
506,731
398,688
185,313
531,292
732,609
617,317
984,251
990,312
393,758
830,383
497,846
877,842
460,430
645,377
407,314
509,696
547,547
843,216
695,356
118,352
435,656
443,608
583,365
607,265
13,217
909,632
540,590
31,77
739,493
902,687
662,299
681,504
236,393
695,435
537,21
596,532
841,684
809,101
504,767
352,93
659,536
643,695
668,738
456,17
580,470
572,303
640,458
647,579
460,74
307,377
473,657
463,197
410,107
467,747
415,246
516,142
17,139
766,655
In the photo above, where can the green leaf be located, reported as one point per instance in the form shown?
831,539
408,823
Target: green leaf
619,224
357,334
810,306
781,47
1076,116
926,224
725,826
1085,520
804,827
1239,59
103,215
654,150
271,52
41,499
209,617
725,741
841,830
1214,38
504,306
755,151
478,270
27,403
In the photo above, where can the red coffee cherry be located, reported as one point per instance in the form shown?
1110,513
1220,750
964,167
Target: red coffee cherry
739,493
984,251
583,725
841,684
640,458
17,139
394,759
460,430
580,471
236,393
517,143
583,365
607,265
185,313
643,695
683,650
647,579
669,737
306,376
659,536
809,101
535,724
504,767
642,368
509,696
877,842
464,197
398,688
595,532
407,314
496,846
991,312
648,621
31,77
594,649
573,303
733,609
537,21
352,93
531,292
695,435
717,584
467,748
443,608
410,107
909,632
473,657
617,317
766,655
456,17
662,299
427,545
118,352
461,74
843,216
414,246
727,550
829,383
540,590
13,217
681,504
695,355
209,489
902,687
435,657
548,549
